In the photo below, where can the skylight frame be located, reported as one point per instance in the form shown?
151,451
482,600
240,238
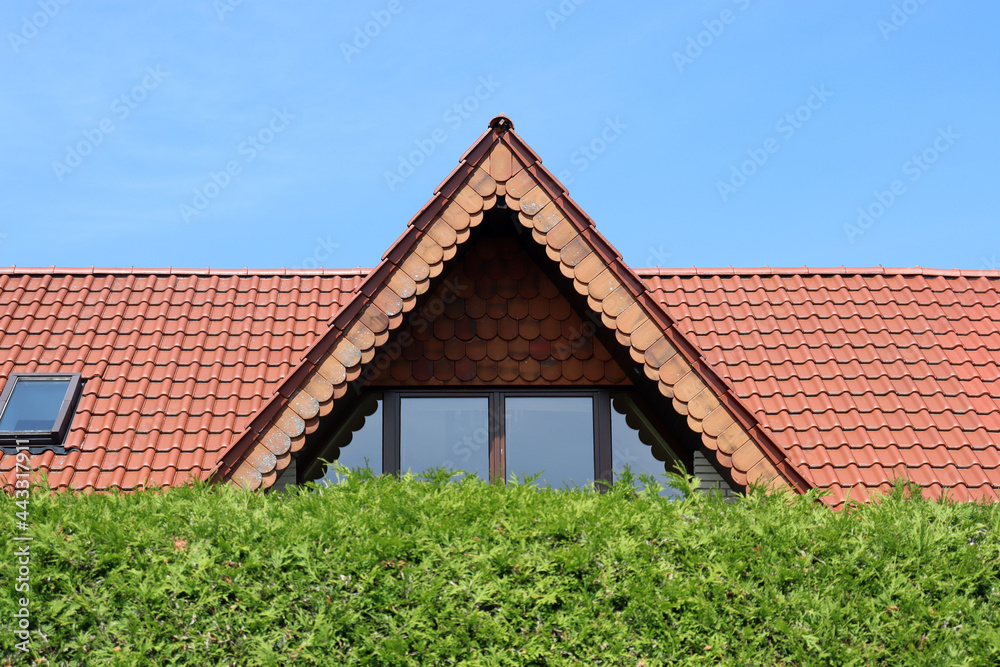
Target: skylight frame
47,439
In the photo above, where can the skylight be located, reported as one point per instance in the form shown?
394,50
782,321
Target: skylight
35,408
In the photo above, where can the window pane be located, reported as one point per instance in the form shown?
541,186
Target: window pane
445,432
365,448
553,436
628,450
34,404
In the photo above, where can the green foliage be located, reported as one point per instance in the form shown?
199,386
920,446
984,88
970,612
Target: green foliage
378,571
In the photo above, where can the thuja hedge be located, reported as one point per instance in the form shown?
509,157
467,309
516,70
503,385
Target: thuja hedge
426,572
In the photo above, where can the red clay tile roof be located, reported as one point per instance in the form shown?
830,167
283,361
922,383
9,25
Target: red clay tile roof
174,362
835,378
859,375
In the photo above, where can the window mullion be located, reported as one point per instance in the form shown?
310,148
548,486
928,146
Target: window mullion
390,433
498,458
603,463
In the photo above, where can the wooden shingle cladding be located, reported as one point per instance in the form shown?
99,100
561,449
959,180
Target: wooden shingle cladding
500,164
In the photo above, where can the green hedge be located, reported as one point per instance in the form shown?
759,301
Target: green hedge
386,572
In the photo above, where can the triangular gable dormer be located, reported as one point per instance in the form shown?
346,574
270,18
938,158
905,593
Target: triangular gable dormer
527,213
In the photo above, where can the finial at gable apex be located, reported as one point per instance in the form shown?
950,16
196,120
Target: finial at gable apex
501,124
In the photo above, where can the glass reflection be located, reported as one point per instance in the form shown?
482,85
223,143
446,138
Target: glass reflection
628,450
553,436
34,404
445,432
364,450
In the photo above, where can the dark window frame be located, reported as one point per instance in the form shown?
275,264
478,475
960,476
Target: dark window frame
41,440
601,397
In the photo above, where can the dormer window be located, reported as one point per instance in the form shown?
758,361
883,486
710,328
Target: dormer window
36,408
561,437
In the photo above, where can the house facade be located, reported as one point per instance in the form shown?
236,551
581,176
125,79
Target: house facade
502,334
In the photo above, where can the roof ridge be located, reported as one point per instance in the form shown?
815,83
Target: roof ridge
641,272
174,271
814,271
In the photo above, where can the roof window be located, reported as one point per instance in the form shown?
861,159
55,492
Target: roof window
36,408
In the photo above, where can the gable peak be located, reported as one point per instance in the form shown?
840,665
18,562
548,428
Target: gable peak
501,124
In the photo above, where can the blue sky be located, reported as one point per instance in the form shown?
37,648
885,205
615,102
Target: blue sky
231,133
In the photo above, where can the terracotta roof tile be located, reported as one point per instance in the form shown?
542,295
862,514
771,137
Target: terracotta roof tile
143,363
913,384
854,376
